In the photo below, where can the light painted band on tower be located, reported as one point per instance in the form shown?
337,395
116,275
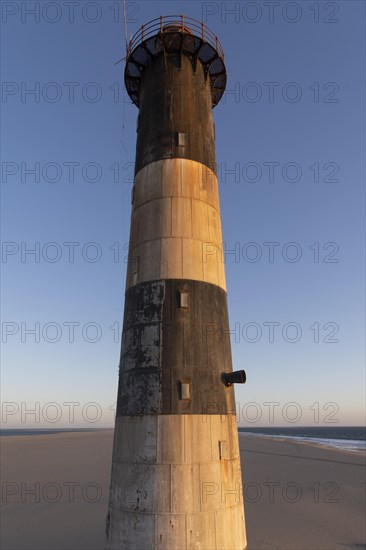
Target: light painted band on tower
175,225
183,495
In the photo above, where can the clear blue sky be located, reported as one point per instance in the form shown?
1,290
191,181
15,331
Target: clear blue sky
292,130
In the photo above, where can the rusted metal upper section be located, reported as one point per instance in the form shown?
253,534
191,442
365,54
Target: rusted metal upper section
175,33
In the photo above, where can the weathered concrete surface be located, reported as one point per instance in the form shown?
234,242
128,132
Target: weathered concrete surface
163,343
175,97
172,489
176,224
176,479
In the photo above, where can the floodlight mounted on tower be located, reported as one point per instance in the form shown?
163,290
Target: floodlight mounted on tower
175,33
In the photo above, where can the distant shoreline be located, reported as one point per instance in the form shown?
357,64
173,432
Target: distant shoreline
347,438
48,431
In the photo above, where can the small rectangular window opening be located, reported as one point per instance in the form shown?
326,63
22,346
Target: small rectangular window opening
185,390
223,450
181,139
183,298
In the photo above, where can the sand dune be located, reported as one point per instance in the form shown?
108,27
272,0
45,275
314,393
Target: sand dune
298,496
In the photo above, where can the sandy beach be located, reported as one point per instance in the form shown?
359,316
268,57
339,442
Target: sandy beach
298,496
303,497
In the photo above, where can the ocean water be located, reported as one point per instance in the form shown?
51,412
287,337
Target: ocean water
351,438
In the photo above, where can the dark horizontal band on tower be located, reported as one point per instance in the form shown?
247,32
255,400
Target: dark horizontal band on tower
175,345
175,116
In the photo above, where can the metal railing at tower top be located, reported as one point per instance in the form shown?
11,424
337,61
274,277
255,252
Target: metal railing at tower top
174,23
175,34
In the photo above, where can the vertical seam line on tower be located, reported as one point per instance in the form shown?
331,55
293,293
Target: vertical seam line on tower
211,436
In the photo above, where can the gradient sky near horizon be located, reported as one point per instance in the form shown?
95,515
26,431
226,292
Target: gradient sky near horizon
290,147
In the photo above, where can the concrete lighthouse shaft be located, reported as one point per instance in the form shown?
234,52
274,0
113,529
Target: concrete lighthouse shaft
176,476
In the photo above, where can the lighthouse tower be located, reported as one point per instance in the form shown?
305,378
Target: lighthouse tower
176,476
